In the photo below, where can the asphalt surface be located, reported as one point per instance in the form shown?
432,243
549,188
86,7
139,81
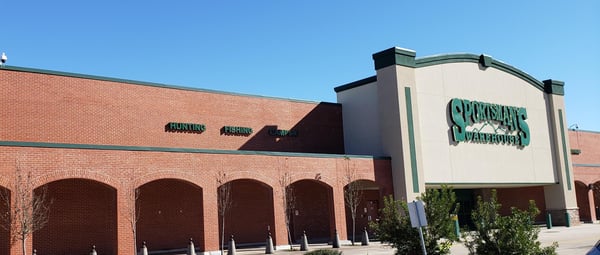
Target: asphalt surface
574,240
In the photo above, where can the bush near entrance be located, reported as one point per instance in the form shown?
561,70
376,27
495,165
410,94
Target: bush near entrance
513,234
394,225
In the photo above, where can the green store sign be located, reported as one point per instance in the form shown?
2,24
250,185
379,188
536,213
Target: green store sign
185,127
508,123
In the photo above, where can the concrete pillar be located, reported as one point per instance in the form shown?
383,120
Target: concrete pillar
93,251
144,249
365,238
191,250
336,240
399,120
592,205
304,242
560,197
269,245
231,246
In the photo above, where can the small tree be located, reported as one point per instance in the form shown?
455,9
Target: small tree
288,200
394,226
132,212
29,210
512,234
353,194
440,205
224,201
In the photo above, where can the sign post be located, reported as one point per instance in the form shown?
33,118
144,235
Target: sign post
416,211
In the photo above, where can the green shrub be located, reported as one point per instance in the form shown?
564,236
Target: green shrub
513,234
323,252
394,226
440,205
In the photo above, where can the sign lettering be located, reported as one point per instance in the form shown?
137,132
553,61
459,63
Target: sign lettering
507,122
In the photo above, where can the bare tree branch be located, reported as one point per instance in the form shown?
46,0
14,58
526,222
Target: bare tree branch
28,208
353,193
288,201
224,201
132,211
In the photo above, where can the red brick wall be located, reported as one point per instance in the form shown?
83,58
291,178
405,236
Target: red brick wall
58,109
251,213
314,206
519,198
83,213
4,234
589,144
369,206
123,169
583,202
170,213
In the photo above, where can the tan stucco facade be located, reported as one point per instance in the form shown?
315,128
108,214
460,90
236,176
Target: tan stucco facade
412,108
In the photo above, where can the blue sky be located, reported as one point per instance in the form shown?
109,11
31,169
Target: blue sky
302,49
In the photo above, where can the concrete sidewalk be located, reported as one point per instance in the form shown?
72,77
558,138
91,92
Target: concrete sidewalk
573,240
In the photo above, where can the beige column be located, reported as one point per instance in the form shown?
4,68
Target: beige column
592,205
560,197
399,120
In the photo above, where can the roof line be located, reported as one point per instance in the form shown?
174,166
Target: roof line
145,83
179,150
546,86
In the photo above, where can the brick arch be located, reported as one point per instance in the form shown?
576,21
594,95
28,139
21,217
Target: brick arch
252,211
315,176
168,174
80,174
267,180
583,203
5,243
369,182
5,181
314,210
367,209
170,212
596,192
80,207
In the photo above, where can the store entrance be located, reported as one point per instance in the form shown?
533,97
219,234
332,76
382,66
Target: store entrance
467,200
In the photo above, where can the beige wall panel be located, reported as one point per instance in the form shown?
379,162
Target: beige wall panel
466,162
361,125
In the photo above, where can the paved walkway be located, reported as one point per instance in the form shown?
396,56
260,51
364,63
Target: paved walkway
573,240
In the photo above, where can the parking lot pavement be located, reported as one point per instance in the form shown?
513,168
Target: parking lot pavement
573,240
375,248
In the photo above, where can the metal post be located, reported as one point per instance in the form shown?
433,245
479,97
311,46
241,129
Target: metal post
456,225
422,241
421,234
567,220
548,221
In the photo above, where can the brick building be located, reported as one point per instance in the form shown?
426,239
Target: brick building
585,150
91,141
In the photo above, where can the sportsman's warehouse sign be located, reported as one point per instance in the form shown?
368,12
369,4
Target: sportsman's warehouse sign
480,122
